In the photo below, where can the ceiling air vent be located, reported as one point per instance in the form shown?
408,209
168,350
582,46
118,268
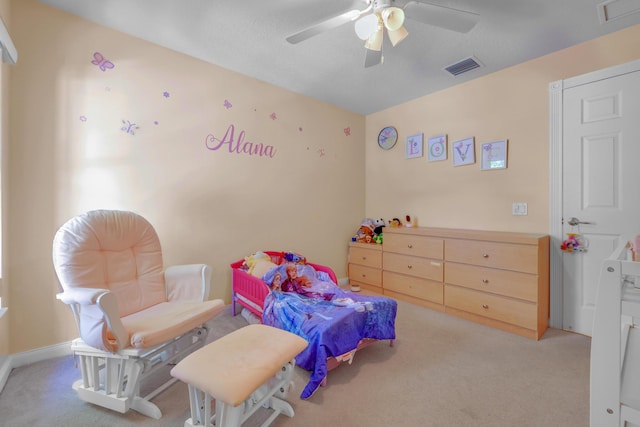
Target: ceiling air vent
615,9
463,66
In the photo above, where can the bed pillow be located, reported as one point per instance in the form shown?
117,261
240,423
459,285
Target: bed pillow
262,267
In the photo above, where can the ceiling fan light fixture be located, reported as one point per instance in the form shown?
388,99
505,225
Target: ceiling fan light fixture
366,26
397,36
393,18
380,15
374,42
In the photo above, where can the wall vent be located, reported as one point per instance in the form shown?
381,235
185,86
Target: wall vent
462,66
615,9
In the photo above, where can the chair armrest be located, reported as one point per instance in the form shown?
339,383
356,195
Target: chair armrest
189,282
99,307
109,306
82,296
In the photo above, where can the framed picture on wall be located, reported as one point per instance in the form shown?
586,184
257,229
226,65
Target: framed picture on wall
414,146
464,151
494,155
437,148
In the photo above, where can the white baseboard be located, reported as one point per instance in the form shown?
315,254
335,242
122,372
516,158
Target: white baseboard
7,363
5,370
40,354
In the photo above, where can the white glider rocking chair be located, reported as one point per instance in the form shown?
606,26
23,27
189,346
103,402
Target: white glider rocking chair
133,316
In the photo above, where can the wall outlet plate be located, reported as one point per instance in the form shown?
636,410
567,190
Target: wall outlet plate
519,208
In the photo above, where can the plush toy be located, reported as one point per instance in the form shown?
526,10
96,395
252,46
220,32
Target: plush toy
574,243
294,258
378,224
251,261
365,232
395,223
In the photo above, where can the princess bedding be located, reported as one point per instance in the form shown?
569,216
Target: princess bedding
301,297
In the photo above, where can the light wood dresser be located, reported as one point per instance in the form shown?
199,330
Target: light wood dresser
413,268
499,279
365,266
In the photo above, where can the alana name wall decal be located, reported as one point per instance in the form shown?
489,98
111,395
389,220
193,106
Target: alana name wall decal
239,145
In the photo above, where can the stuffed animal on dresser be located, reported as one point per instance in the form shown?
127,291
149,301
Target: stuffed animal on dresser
395,223
365,232
378,225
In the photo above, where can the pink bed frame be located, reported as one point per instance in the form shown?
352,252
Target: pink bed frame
250,292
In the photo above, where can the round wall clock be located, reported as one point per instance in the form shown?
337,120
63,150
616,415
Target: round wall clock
387,137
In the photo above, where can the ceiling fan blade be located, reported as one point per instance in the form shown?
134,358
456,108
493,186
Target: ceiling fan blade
323,26
440,16
374,57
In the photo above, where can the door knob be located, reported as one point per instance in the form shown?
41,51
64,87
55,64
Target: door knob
573,221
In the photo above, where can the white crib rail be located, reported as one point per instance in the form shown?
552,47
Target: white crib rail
615,344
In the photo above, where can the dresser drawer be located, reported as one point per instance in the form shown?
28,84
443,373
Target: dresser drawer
504,282
507,256
366,257
412,286
368,275
515,312
414,266
408,244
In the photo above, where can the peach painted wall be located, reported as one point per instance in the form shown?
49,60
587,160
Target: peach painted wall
510,104
74,147
5,73
141,136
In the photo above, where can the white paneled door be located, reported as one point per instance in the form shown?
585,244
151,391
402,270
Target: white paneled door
600,180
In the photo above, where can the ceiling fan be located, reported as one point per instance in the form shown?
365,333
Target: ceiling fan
380,15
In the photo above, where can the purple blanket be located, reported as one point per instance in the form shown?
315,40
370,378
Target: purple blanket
332,327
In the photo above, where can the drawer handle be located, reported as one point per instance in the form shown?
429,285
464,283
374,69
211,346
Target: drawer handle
409,266
410,246
485,281
485,255
363,275
485,306
364,258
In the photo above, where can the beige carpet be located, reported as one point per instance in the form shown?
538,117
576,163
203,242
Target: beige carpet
443,371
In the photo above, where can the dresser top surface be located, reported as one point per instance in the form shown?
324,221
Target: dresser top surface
457,233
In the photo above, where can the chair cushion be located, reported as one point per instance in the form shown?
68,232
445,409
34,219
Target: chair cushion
234,366
115,250
167,320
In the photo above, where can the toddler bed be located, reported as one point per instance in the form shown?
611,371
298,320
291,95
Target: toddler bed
336,322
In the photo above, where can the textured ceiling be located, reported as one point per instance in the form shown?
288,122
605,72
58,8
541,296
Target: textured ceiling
248,36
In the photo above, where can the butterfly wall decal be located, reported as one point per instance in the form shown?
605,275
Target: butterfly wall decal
102,62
